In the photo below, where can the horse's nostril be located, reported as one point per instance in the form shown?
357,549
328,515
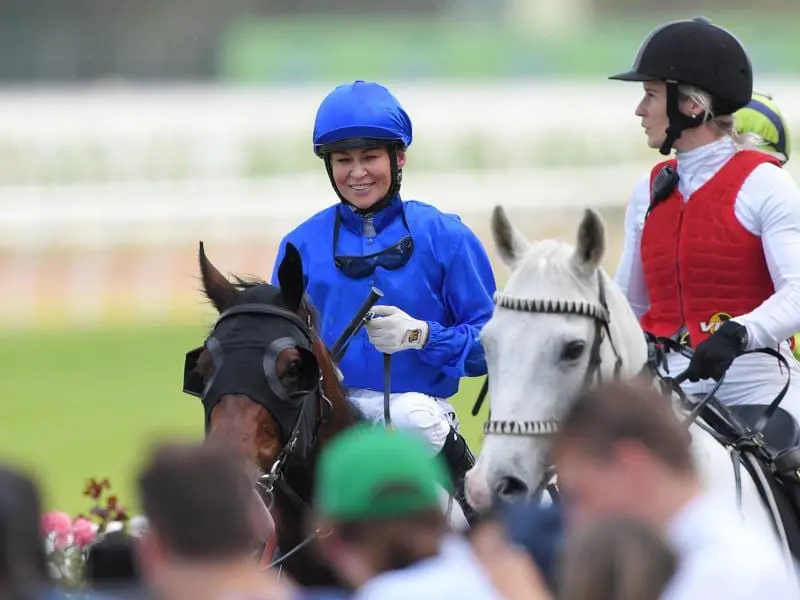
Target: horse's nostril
511,488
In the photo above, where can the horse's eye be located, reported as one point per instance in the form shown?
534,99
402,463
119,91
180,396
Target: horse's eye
293,370
573,350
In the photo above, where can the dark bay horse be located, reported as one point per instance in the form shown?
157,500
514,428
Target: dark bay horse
271,393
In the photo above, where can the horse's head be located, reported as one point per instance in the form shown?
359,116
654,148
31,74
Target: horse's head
559,324
270,392
266,380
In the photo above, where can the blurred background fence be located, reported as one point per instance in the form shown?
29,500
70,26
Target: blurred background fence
131,129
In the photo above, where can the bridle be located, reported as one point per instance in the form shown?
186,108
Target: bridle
267,483
745,444
274,479
598,312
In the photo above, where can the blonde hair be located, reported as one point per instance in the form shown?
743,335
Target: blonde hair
723,123
617,559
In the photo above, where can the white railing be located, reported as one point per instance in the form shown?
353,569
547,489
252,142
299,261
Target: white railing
188,133
240,211
95,222
105,165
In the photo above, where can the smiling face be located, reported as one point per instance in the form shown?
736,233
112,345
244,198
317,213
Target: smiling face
363,176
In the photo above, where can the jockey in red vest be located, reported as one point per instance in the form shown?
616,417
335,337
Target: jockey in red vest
712,236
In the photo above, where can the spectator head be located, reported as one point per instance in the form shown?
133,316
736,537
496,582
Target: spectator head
197,502
622,450
23,564
378,493
617,559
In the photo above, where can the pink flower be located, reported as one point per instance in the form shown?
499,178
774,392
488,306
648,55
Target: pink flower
83,532
60,541
59,523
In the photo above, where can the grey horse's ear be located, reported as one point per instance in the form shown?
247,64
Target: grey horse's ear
591,246
510,244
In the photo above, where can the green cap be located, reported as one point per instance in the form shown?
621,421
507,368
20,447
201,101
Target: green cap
763,117
369,472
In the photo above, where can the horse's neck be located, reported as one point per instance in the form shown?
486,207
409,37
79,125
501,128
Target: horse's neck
626,332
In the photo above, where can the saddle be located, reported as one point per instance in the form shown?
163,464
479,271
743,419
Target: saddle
776,454
782,431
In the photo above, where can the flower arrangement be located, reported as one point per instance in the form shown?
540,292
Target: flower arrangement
68,539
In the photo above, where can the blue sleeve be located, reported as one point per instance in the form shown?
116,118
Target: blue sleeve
468,294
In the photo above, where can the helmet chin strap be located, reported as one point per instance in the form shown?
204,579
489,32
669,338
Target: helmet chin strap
394,188
678,122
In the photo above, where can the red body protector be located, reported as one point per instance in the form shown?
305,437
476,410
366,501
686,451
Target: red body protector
701,266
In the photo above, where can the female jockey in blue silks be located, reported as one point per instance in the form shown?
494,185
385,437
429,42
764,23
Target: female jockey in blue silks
433,271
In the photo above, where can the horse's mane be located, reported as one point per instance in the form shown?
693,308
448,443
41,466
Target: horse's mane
242,283
245,283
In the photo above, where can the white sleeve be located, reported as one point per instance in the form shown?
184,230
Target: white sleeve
630,272
769,206
714,579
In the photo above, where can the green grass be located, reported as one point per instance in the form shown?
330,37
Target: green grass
79,403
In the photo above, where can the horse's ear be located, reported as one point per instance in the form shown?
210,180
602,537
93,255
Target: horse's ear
221,292
510,244
591,243
291,278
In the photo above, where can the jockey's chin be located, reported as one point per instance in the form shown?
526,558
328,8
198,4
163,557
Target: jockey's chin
655,138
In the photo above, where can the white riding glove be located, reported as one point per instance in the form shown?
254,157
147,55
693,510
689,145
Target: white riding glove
392,330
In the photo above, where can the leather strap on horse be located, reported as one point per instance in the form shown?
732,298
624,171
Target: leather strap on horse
773,406
602,326
744,445
387,389
597,311
476,408
676,381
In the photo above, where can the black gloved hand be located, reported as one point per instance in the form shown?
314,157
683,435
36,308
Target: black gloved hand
714,355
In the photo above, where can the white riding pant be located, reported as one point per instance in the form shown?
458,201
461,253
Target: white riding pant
751,379
418,413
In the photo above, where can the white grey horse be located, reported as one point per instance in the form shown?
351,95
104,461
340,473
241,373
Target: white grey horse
538,343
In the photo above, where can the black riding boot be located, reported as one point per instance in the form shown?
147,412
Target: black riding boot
459,460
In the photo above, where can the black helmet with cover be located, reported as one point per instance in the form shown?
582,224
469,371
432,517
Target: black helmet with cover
698,53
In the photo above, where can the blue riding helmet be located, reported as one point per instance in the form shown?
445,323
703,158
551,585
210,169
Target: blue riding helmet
357,115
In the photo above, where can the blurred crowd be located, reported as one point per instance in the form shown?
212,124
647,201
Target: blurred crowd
633,522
